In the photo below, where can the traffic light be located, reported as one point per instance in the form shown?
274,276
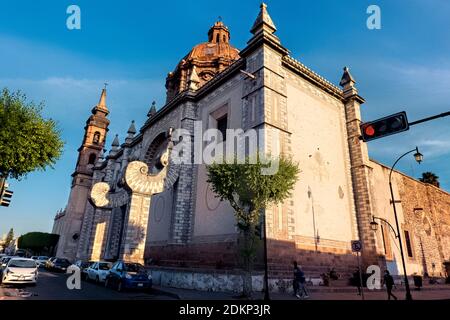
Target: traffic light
384,127
5,194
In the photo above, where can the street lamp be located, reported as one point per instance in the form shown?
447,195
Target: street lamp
266,271
419,158
374,225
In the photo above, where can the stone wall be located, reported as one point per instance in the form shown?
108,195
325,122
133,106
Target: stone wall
423,211
314,257
74,214
210,217
210,255
427,213
206,280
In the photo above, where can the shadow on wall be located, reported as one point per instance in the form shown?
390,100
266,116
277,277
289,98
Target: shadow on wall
281,254
134,236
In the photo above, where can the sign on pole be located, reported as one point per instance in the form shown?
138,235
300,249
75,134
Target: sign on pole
357,247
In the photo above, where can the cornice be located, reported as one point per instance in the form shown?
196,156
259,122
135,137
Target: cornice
313,77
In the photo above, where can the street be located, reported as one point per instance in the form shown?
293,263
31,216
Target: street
52,286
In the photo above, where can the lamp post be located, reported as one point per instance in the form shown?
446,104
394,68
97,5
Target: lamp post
266,272
419,158
374,225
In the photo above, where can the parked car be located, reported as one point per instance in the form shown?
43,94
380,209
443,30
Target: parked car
34,257
128,275
41,261
20,253
83,265
98,271
49,263
60,264
19,271
3,263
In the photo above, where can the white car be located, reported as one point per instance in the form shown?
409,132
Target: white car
98,271
20,270
41,260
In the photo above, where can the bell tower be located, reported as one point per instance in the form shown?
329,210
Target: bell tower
93,140
91,147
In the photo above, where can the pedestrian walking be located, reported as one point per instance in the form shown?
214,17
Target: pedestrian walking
299,283
357,281
389,283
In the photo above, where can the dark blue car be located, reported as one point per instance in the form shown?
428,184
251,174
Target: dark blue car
128,275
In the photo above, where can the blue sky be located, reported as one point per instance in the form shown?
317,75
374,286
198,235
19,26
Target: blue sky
133,44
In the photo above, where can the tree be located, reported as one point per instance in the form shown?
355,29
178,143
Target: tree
249,193
28,141
38,242
431,178
9,239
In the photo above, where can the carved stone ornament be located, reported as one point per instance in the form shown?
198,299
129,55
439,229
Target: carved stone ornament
102,198
137,180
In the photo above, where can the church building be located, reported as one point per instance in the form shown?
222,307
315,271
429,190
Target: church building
134,203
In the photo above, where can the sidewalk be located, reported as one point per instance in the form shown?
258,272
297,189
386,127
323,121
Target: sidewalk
435,292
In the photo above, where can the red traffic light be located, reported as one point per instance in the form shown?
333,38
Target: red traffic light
369,130
384,127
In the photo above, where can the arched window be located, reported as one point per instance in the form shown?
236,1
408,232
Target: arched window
217,38
224,38
96,139
92,158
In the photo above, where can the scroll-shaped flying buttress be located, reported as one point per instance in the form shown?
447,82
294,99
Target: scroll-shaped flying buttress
100,196
139,181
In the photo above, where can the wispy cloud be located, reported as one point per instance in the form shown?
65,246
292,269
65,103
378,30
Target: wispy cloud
435,148
430,79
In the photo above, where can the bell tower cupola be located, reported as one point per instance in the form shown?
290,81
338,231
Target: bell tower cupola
218,33
94,138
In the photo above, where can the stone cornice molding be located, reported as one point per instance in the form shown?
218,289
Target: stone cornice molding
313,77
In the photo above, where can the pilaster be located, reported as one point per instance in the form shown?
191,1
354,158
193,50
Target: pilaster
360,168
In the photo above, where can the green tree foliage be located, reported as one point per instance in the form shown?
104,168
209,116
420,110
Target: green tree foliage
431,178
249,192
38,242
27,140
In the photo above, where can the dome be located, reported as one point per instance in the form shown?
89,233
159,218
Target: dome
203,62
208,51
218,45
